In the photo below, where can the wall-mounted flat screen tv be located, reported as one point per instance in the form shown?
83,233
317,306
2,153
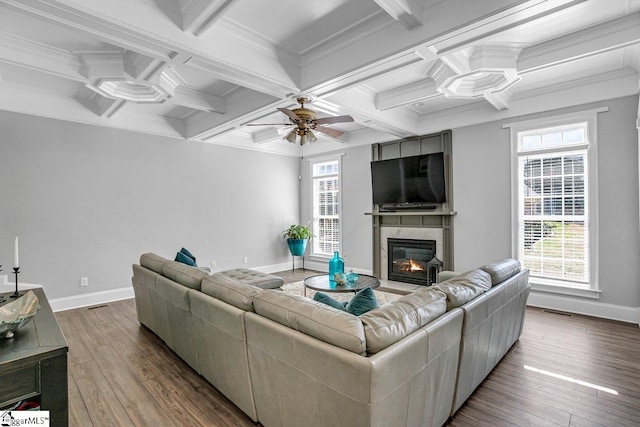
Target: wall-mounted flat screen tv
407,181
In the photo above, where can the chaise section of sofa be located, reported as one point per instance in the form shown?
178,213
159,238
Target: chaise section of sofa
218,313
493,299
310,364
161,288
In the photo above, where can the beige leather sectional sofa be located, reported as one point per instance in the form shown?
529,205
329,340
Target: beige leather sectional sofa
286,360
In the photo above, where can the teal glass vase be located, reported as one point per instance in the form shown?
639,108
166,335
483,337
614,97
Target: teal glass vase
336,265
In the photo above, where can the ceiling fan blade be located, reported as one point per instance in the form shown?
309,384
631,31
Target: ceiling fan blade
290,114
336,119
269,124
328,131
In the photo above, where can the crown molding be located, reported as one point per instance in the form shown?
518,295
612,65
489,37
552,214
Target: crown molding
37,57
407,12
595,40
28,100
200,15
616,84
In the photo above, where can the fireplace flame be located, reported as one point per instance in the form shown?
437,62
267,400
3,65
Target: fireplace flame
411,266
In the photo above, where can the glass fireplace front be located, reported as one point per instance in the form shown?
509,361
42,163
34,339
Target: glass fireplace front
410,261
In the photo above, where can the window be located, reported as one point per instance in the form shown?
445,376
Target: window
555,199
325,178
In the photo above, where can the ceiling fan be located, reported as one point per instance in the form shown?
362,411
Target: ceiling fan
305,122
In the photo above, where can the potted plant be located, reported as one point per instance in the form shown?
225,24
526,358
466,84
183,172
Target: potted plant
297,237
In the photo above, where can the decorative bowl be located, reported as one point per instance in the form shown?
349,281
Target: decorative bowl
18,313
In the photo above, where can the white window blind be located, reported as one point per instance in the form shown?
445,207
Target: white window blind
553,204
326,207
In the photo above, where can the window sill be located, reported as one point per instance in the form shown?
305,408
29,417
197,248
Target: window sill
564,290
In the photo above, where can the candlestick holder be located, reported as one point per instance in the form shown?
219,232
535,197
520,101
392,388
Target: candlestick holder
2,298
16,294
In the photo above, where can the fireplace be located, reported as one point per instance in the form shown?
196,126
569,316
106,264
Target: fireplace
413,261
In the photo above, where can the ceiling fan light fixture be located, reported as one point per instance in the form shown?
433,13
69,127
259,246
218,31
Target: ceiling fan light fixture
291,136
303,139
312,137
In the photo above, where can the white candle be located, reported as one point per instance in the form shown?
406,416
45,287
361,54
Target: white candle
16,257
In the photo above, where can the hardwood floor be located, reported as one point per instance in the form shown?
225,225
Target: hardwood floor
566,370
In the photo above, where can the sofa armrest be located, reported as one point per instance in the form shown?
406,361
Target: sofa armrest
446,275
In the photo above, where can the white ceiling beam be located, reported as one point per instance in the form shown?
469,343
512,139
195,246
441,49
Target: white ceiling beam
601,38
407,94
220,50
187,97
269,133
27,54
498,20
419,91
472,21
200,15
243,106
105,106
616,84
499,100
407,12
38,102
360,104
405,59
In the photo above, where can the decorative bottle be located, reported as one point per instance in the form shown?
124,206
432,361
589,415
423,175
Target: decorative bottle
336,265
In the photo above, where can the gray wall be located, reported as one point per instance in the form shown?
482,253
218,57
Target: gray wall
482,197
356,200
86,201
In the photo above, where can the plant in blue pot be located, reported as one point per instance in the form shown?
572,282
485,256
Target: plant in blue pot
297,238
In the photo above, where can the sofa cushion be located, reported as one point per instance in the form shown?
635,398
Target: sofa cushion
153,262
183,274
313,318
465,287
252,277
502,270
363,301
326,299
393,321
230,291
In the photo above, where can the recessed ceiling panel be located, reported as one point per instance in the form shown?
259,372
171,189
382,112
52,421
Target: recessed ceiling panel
573,71
49,34
297,26
42,81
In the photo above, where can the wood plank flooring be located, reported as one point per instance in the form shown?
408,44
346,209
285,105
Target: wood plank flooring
566,370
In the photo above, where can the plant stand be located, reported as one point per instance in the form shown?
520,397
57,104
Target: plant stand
293,262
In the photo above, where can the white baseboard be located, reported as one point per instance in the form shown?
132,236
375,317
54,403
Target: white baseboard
323,266
586,307
94,298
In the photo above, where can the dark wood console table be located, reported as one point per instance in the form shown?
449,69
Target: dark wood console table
33,364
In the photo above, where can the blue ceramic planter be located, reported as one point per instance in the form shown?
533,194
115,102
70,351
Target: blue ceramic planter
297,246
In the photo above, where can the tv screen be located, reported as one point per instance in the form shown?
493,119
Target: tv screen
409,180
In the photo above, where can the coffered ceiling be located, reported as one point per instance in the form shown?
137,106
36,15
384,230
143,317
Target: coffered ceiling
200,70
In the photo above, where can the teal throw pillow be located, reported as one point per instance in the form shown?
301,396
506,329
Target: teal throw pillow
180,257
326,299
363,301
189,254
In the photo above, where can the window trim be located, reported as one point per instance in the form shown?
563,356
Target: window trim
590,118
313,161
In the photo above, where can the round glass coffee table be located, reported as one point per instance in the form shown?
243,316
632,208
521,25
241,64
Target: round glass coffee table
321,283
